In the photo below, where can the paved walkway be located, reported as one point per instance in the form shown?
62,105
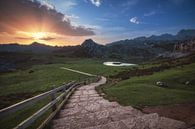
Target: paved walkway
87,110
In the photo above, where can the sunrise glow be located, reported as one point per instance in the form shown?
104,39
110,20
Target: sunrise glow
39,35
61,23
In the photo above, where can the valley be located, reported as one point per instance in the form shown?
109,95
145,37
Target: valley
28,70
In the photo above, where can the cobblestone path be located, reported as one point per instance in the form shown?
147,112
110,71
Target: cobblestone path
87,110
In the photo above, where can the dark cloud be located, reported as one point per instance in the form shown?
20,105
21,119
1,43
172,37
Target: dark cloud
29,15
47,38
24,38
31,38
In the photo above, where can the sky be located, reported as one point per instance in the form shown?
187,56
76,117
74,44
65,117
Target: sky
70,22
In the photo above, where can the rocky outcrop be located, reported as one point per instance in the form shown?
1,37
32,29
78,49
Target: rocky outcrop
185,46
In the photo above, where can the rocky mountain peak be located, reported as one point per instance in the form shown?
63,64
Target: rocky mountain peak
89,43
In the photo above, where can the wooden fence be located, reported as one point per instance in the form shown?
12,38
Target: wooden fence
64,90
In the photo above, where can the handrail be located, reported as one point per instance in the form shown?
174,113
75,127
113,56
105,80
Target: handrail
22,104
32,118
66,90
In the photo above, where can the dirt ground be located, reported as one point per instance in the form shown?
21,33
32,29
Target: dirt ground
182,112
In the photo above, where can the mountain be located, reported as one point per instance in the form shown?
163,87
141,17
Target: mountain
35,47
91,48
141,47
186,34
185,46
162,37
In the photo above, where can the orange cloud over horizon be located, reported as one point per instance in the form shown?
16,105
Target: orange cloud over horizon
25,21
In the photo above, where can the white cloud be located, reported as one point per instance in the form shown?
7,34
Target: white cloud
150,13
69,4
47,4
94,27
96,2
134,20
72,16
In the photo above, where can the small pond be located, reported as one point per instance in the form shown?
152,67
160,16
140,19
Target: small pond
118,64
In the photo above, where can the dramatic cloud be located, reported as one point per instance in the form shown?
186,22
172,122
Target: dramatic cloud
47,38
96,2
32,16
134,20
47,4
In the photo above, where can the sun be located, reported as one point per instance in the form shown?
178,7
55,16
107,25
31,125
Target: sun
38,35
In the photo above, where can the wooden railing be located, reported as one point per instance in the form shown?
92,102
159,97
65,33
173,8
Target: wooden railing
65,90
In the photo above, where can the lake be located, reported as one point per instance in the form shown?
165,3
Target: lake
118,64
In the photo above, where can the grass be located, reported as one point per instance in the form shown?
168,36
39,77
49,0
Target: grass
22,84
41,78
142,91
94,66
15,118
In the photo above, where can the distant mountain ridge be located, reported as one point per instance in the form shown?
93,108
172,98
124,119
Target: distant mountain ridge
141,47
35,47
183,34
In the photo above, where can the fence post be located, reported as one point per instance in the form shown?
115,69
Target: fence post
53,97
64,90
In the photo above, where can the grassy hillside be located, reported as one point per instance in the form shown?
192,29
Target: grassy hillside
142,91
34,79
22,84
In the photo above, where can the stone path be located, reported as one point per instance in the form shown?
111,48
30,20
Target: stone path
87,110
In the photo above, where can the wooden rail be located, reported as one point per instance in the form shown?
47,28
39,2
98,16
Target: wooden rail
65,90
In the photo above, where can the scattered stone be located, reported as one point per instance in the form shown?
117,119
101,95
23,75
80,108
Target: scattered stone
161,84
31,71
187,83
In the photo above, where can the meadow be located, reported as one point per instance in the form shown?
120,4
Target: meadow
142,91
40,73
22,84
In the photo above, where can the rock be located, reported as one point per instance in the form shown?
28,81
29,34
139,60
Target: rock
168,123
187,83
161,84
31,71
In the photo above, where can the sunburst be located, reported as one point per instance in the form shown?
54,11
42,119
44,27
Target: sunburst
39,35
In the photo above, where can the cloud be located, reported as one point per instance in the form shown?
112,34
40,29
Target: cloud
68,4
71,18
32,16
95,27
47,4
96,2
31,38
24,38
149,13
134,20
47,38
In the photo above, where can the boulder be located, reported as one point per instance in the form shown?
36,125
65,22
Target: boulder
161,84
187,83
